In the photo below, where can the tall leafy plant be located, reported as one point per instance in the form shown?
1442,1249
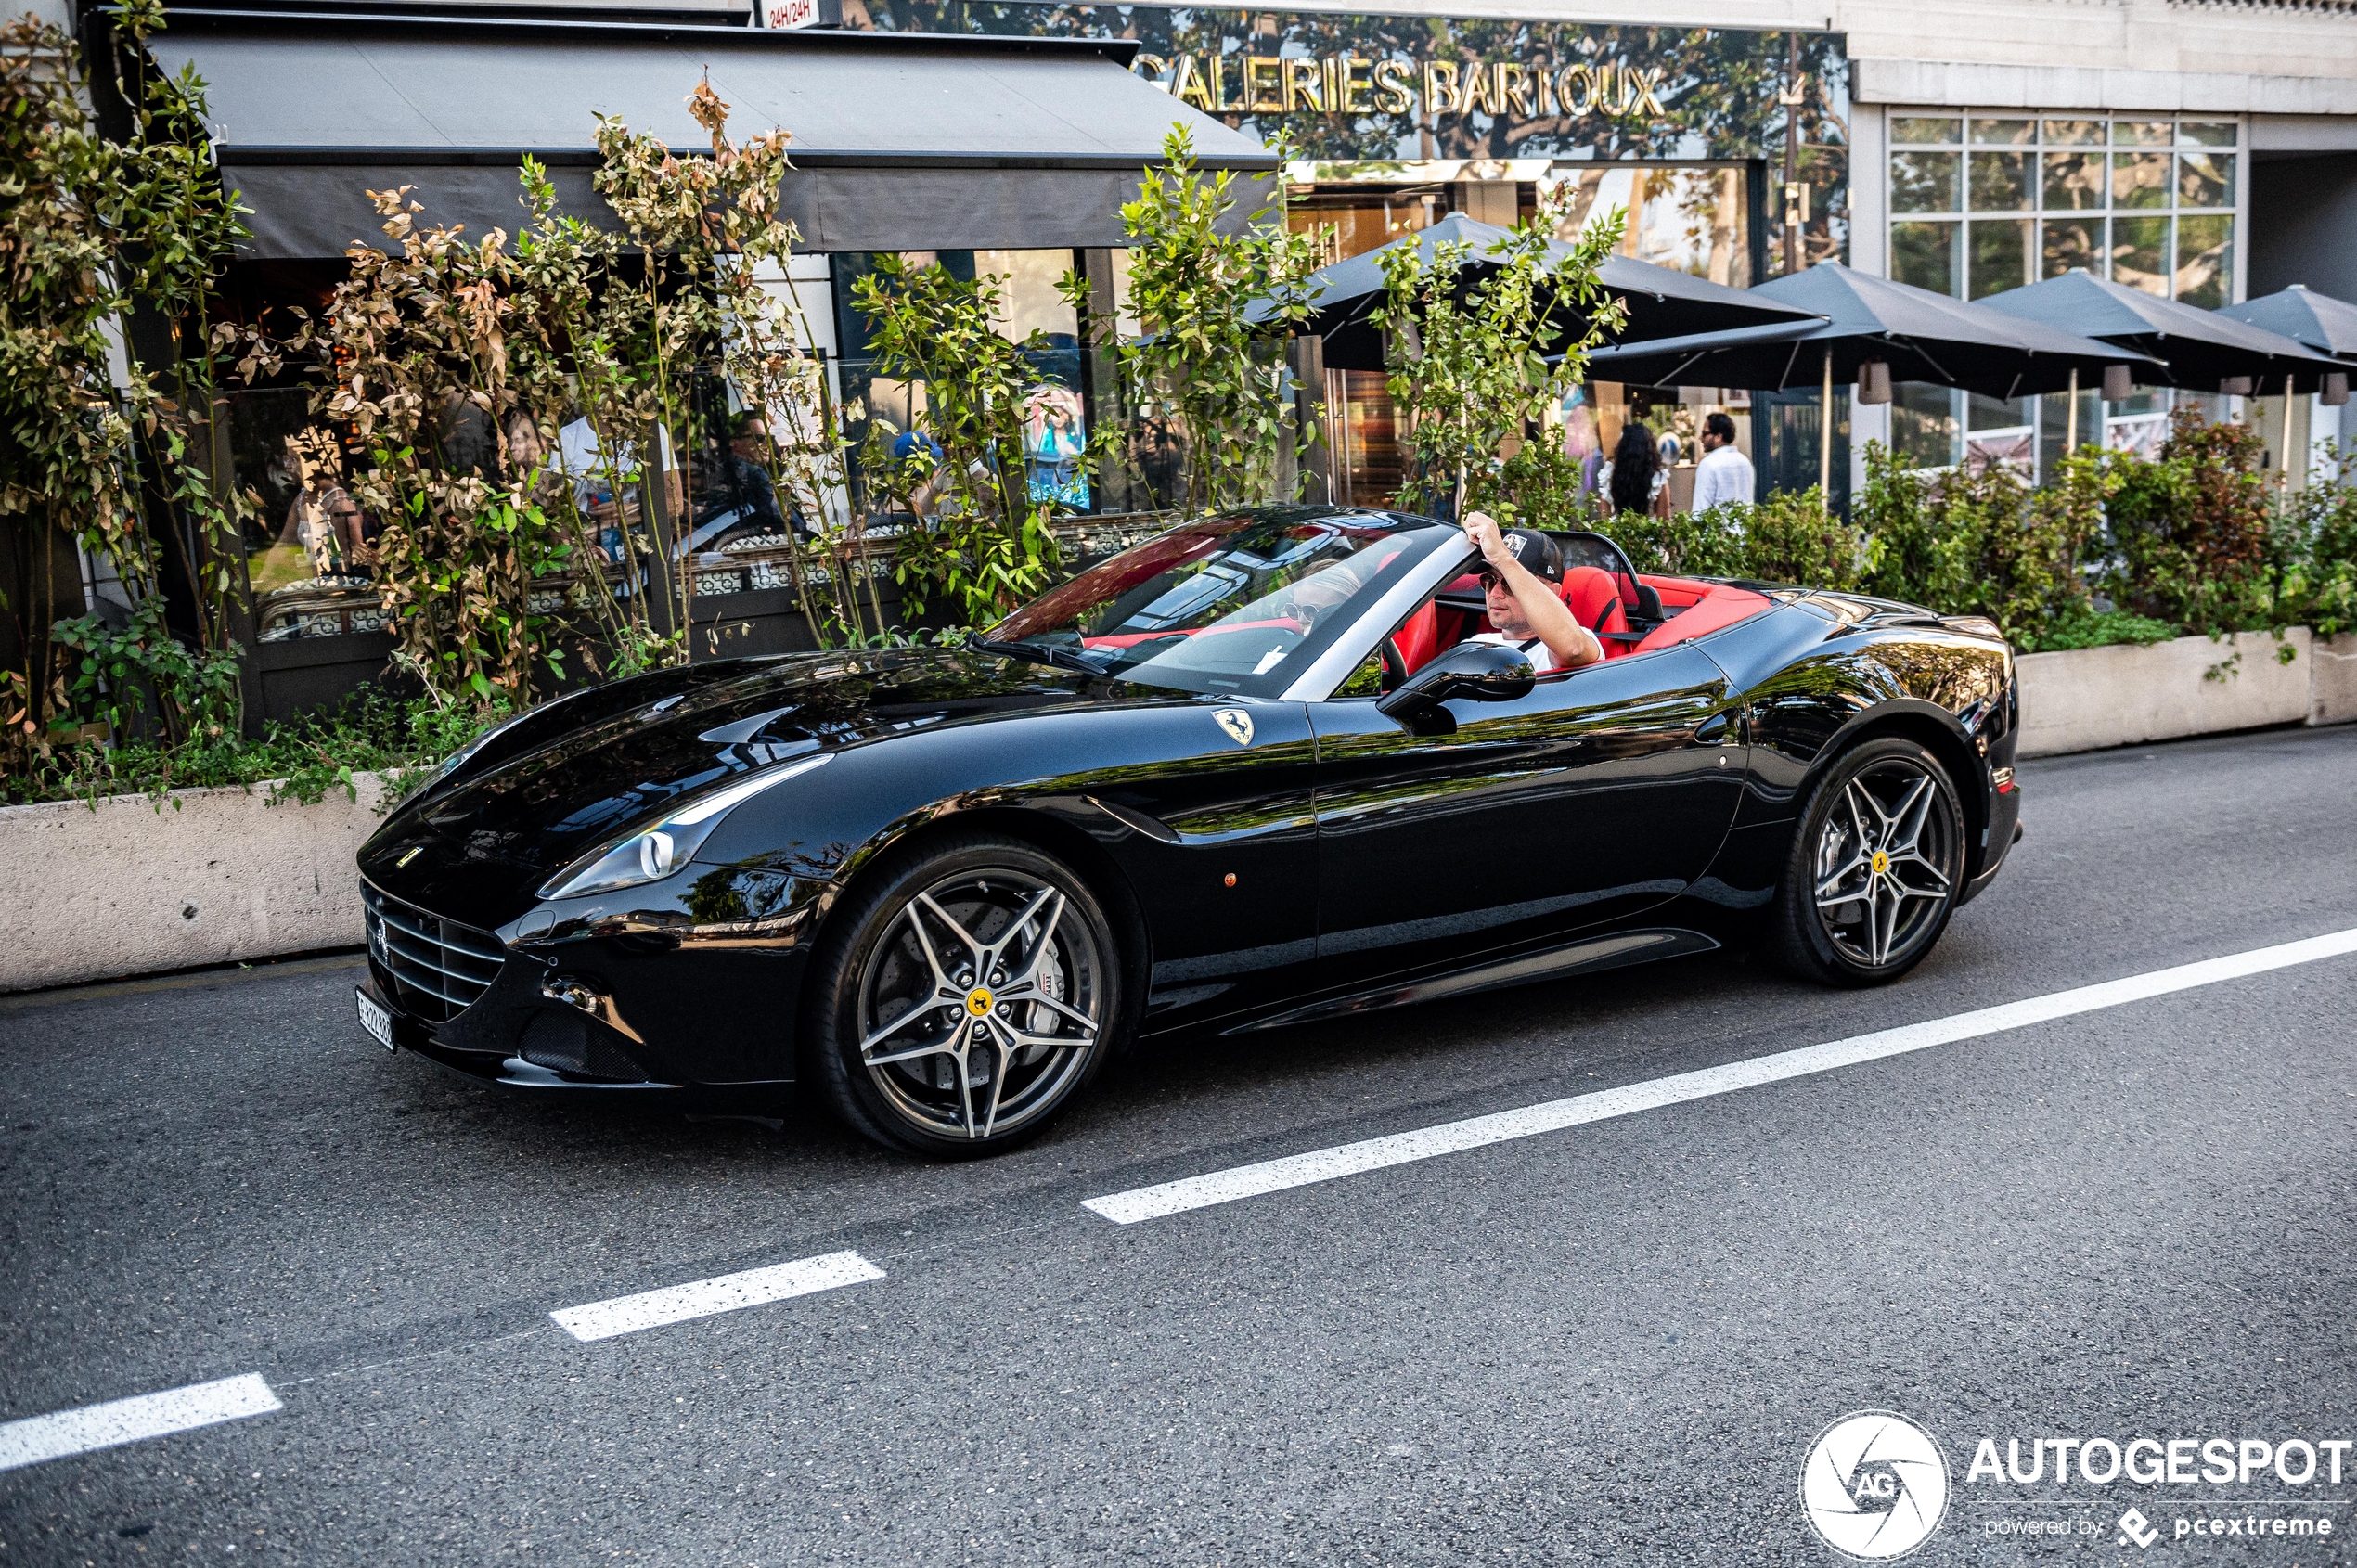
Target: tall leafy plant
1476,370
91,231
989,548
1213,301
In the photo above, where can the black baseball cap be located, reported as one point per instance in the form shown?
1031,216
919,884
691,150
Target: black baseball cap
1537,553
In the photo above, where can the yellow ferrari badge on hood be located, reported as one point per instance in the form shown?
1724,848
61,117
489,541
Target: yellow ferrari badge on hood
1237,723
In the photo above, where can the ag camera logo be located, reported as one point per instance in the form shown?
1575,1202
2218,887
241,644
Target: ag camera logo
1874,1486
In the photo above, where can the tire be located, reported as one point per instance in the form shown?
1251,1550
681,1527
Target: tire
1875,868
912,1045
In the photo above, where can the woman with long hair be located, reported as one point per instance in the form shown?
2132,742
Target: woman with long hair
1634,479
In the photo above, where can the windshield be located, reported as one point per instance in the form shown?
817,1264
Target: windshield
1229,604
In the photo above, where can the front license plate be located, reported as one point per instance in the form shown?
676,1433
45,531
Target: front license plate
375,1020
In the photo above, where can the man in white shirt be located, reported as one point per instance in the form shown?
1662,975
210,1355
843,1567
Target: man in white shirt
1724,474
1521,575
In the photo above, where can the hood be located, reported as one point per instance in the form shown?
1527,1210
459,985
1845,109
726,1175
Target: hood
494,835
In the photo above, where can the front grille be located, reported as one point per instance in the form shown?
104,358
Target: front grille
437,968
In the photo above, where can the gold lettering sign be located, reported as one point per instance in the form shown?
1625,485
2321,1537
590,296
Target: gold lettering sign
1353,85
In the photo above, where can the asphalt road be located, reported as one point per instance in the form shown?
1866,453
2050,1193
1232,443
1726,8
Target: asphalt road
1610,1343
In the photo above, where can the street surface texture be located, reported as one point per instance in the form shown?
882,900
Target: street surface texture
1608,1343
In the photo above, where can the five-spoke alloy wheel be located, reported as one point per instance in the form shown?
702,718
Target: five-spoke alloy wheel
966,996
1876,867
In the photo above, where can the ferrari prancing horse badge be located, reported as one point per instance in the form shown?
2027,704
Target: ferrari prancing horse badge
1237,723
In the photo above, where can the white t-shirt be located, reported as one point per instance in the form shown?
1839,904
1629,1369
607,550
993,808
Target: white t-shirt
1542,659
1723,475
581,456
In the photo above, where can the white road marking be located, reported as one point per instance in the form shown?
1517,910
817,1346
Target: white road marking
677,1303
36,1438
1451,1138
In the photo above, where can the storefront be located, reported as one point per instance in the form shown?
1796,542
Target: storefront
1727,148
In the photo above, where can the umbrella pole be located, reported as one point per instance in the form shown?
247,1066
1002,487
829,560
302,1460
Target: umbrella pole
1826,431
2070,415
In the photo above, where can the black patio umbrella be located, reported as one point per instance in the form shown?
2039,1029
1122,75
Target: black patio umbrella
1902,332
1661,303
1917,335
2204,350
2321,322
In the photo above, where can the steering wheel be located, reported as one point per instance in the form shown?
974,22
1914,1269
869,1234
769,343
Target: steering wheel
1394,666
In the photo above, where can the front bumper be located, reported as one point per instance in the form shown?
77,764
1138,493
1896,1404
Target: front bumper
616,1015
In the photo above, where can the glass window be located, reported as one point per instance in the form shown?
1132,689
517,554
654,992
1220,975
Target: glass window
2140,179
1996,413
2205,261
2000,182
2074,181
1925,182
2073,243
1923,128
2205,179
2003,132
2204,132
2140,253
1926,255
2074,132
2002,256
1924,430
2142,133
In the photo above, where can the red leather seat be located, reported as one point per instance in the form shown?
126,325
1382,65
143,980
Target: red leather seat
1720,607
1419,640
1594,601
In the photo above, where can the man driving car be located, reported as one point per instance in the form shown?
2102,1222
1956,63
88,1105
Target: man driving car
1521,576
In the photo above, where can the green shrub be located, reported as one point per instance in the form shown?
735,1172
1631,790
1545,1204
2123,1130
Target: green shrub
302,758
1789,537
2192,539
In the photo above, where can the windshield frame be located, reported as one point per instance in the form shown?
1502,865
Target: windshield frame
1420,538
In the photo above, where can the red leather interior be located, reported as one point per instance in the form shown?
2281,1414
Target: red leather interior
1419,640
1593,600
1718,607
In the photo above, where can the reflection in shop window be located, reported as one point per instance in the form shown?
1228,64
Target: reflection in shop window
2204,132
2140,179
2076,243
1924,128
2074,181
1925,255
2000,182
2140,253
2205,179
2205,261
1923,182
1925,429
2002,255
2073,133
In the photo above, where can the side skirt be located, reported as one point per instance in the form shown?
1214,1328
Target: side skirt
1584,956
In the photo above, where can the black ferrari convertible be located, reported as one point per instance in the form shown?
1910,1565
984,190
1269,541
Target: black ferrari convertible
1250,773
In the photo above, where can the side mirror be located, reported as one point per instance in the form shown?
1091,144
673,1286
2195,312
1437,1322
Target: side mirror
1483,672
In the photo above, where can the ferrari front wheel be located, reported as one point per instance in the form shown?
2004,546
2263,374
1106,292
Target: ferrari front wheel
964,998
1876,868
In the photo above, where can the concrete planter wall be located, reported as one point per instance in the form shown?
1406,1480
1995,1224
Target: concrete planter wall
2094,698
130,888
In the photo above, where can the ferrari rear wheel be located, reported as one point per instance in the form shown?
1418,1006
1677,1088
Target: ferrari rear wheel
967,997
1875,868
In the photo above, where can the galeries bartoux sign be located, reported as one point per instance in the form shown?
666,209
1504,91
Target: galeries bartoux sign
1353,85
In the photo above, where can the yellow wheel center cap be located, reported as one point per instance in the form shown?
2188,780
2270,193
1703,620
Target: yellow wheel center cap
1882,863
978,1001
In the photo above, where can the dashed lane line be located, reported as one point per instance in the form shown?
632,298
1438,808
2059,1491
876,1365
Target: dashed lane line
703,1298
36,1438
1451,1138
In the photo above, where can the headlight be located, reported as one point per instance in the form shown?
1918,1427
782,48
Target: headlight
651,854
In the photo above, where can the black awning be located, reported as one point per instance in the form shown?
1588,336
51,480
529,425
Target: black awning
902,142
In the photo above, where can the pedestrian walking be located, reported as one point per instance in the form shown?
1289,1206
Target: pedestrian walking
1725,475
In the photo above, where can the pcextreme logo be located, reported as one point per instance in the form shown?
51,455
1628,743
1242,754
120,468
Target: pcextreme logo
1874,1486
